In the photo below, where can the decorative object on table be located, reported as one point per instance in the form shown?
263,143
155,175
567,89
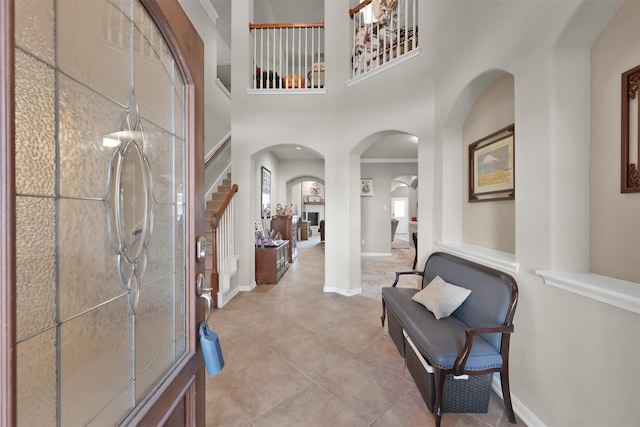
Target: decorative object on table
285,210
630,150
265,200
491,167
293,82
366,187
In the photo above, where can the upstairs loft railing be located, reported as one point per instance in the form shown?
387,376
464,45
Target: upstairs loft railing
383,31
223,247
288,56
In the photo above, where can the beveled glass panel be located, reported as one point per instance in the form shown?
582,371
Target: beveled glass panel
96,359
161,247
116,410
153,69
35,126
85,119
134,194
88,266
160,150
34,24
151,373
36,378
94,45
35,265
154,327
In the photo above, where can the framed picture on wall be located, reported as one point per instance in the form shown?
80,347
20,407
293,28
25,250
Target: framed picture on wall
265,199
491,167
366,187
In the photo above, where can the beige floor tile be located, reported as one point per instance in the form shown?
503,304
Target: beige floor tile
312,407
364,387
316,356
264,385
409,411
297,356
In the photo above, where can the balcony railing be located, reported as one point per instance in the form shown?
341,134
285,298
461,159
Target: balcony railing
383,31
288,56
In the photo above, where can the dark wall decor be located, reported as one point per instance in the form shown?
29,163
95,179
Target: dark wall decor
491,167
265,200
629,175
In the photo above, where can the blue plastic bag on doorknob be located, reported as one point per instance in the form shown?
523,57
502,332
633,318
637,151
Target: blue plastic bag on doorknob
213,359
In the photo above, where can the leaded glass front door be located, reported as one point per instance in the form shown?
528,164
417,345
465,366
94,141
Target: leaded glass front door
105,210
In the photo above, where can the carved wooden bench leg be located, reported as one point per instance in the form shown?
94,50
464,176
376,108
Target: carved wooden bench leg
438,379
506,394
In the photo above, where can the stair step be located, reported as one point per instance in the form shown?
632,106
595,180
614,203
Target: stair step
224,188
218,196
213,204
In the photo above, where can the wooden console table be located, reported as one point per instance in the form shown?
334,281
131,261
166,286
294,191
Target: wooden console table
271,263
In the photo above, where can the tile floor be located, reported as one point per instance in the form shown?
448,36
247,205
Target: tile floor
296,356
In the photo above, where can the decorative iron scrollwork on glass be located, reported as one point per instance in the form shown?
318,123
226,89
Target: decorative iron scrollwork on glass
129,200
630,175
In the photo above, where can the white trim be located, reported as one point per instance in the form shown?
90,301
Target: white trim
210,10
388,160
248,288
375,254
215,184
223,88
397,61
615,292
224,298
342,291
211,152
501,260
524,413
302,91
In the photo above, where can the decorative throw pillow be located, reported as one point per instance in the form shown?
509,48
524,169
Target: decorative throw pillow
441,298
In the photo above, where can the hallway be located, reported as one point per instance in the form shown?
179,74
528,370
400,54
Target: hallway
296,356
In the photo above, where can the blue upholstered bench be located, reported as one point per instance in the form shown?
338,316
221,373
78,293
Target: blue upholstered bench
473,341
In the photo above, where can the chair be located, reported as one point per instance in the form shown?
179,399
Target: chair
321,230
414,237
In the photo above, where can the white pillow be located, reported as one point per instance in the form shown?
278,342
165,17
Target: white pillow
441,298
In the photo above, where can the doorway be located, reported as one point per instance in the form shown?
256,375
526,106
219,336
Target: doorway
400,212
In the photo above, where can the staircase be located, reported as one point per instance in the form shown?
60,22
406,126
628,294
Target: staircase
222,265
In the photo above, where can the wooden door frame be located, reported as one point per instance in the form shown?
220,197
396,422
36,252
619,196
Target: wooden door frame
188,378
8,416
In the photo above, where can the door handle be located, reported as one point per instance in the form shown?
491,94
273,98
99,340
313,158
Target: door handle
204,292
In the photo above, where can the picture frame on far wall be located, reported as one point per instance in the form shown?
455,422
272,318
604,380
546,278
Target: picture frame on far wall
492,167
366,187
265,198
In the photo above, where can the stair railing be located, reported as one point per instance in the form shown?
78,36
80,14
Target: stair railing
223,245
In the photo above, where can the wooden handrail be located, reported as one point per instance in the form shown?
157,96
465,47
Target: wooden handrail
219,148
287,25
223,206
357,9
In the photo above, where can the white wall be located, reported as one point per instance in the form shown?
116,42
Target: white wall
615,229
491,223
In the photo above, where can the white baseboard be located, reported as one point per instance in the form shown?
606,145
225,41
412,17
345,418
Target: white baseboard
247,288
528,417
375,254
342,291
224,298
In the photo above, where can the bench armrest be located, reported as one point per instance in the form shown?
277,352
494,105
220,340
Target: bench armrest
399,273
461,360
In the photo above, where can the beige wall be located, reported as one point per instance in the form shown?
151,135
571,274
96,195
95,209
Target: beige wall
615,217
488,224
